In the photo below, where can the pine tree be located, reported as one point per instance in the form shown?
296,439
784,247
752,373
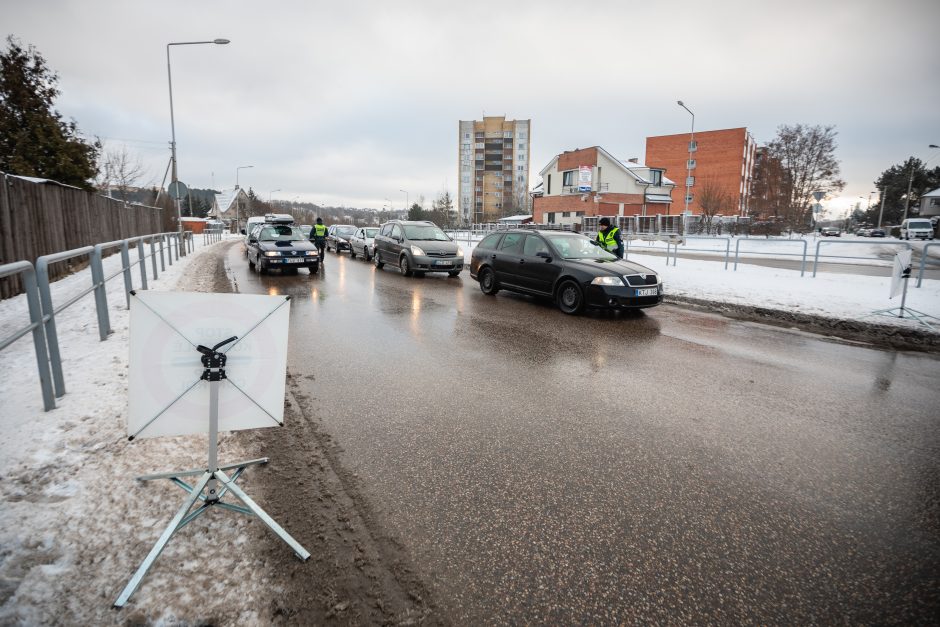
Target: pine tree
34,139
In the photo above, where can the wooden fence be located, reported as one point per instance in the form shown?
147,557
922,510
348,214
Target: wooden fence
43,217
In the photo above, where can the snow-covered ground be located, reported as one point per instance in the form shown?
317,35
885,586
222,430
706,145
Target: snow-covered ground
74,525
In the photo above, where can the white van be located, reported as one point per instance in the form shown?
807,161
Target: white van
916,228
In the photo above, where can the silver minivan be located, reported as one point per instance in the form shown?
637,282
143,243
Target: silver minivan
417,247
916,228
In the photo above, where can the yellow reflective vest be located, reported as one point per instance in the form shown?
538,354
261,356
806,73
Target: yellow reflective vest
319,230
607,240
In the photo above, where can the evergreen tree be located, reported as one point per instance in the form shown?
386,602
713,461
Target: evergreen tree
34,139
893,183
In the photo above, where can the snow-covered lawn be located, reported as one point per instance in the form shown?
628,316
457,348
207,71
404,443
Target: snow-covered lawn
73,525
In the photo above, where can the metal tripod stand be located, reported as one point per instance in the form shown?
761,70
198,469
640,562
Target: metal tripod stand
207,488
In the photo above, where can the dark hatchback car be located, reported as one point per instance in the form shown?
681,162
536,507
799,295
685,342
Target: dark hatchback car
564,266
337,237
281,246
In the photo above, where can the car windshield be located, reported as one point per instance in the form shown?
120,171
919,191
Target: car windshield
280,234
345,230
426,232
919,224
371,232
572,246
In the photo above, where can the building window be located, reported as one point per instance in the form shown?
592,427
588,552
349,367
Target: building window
548,188
551,218
689,198
565,214
693,146
689,181
521,168
507,134
521,135
691,164
656,178
567,178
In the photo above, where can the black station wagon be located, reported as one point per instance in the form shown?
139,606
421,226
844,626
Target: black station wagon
564,266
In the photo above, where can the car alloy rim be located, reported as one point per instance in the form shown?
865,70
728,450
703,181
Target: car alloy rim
569,296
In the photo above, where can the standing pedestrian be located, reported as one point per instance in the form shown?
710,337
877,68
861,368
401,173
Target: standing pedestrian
609,238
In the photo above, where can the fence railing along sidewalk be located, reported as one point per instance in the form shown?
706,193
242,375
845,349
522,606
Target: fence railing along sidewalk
43,309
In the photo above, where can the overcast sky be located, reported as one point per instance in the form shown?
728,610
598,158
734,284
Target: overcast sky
347,103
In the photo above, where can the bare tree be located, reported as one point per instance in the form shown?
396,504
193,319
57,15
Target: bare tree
713,200
807,156
119,169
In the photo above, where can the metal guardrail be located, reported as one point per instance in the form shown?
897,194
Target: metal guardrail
923,262
26,269
42,310
852,241
675,247
737,250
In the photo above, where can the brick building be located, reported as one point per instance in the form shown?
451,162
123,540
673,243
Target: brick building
721,166
493,179
592,182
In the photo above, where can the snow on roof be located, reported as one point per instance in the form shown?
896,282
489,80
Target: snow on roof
515,218
658,198
225,200
33,179
934,194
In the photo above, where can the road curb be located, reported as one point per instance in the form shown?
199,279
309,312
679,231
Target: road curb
881,335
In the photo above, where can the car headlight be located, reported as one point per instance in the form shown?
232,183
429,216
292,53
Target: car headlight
311,253
460,251
272,253
607,280
416,250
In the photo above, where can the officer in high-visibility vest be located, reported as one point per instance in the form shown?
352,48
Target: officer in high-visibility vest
609,238
318,237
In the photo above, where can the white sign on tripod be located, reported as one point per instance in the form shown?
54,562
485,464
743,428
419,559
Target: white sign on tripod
166,394
180,347
902,268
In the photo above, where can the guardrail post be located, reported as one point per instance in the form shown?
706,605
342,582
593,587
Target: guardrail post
162,262
153,256
48,318
142,261
35,318
126,268
101,294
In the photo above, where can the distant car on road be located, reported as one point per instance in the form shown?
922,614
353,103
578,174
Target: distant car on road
306,229
417,247
830,231
337,237
363,242
567,267
281,246
877,233
863,232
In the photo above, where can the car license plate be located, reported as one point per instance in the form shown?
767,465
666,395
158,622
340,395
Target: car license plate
441,262
293,260
648,291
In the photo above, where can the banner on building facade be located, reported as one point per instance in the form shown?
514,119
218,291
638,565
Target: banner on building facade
584,178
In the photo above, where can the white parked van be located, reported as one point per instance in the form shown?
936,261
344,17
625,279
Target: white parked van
916,228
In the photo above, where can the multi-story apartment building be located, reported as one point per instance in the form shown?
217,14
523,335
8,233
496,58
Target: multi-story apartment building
592,182
715,165
493,174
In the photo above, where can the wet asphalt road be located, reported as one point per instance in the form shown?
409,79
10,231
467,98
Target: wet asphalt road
670,466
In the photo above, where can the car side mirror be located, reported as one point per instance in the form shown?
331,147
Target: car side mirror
252,240
243,231
544,255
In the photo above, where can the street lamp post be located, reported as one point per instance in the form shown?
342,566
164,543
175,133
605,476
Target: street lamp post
238,200
174,180
881,211
271,194
688,169
407,202
910,182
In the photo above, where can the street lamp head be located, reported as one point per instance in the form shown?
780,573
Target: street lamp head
933,146
221,42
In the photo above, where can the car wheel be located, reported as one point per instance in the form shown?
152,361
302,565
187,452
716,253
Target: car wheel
314,268
365,253
263,269
569,297
378,260
454,274
251,264
352,252
404,265
488,281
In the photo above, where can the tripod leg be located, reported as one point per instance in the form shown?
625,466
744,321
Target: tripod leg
301,552
162,542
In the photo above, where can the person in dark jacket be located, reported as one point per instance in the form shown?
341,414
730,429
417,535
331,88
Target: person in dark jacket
609,238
